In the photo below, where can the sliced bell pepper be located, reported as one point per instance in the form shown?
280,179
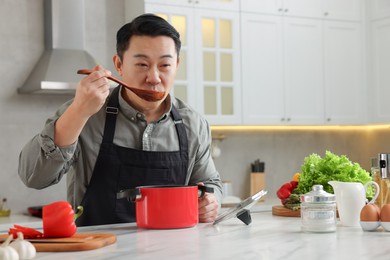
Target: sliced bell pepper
27,232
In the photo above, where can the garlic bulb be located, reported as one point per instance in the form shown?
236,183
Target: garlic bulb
25,249
7,252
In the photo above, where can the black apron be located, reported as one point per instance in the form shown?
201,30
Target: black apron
119,168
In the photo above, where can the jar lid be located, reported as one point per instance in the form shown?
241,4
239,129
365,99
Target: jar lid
318,195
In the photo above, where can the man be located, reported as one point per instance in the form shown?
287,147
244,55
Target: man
106,141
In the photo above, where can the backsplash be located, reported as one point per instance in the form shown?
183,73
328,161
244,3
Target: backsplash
23,116
284,151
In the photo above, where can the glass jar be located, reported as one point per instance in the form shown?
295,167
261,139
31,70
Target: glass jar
318,211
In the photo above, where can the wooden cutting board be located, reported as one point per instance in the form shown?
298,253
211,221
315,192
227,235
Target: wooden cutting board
280,210
78,242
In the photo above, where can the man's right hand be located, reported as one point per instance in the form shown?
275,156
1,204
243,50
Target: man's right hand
92,92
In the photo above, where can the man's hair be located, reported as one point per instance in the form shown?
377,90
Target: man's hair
145,25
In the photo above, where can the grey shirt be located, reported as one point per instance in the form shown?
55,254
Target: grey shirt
42,163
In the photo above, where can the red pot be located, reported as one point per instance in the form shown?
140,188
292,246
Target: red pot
167,206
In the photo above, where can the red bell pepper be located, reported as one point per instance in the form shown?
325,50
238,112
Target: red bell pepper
286,190
59,219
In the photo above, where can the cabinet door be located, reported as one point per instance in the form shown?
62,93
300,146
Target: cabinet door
232,5
348,10
213,4
381,67
262,69
343,73
303,8
263,6
181,18
303,71
379,9
218,66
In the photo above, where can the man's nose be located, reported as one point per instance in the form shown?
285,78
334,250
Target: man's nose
153,76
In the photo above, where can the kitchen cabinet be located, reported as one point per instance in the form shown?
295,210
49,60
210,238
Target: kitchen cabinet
302,71
379,9
208,77
344,80
380,42
349,10
281,63
209,4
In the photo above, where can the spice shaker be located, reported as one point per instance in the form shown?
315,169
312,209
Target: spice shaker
318,210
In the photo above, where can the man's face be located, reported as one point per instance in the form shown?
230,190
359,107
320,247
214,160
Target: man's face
149,63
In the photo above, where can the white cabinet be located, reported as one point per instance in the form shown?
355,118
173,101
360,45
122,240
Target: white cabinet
262,69
303,62
380,82
302,8
213,4
350,10
208,77
379,9
344,80
301,71
281,70
347,10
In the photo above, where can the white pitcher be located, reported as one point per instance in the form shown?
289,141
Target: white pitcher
350,199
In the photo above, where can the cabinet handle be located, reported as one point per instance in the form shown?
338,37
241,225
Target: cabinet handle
286,10
280,9
326,13
328,119
282,119
288,119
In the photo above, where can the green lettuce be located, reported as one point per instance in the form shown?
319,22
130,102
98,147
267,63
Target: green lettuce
317,170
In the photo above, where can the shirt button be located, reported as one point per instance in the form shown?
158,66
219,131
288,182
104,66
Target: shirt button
132,118
146,135
139,115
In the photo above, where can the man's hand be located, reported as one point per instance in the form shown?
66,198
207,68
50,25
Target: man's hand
92,92
208,208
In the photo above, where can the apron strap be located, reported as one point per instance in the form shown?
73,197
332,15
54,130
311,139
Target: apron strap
181,132
111,113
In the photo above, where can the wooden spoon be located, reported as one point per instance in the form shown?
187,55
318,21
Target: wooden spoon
148,95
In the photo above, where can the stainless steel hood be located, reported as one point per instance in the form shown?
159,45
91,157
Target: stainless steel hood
55,72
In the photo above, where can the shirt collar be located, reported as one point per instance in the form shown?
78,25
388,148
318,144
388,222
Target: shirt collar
133,114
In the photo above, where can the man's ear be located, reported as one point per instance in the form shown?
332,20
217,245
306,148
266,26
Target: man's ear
117,63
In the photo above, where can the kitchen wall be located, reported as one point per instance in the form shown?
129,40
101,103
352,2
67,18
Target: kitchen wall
22,116
283,152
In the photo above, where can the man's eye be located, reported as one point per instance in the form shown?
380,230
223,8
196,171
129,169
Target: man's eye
141,65
166,65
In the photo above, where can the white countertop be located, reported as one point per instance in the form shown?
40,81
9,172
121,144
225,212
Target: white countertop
267,237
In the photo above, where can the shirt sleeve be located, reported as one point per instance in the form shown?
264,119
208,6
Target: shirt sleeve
204,169
41,162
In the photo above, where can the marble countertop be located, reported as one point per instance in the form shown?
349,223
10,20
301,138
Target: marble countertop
267,237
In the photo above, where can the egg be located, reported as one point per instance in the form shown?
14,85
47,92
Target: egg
371,212
385,213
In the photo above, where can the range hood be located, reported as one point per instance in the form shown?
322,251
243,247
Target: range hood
55,72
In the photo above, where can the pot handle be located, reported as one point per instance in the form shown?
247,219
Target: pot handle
203,189
130,194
